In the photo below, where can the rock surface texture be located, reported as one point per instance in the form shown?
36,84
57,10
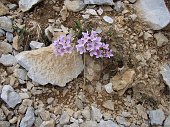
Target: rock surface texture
154,12
26,5
45,67
99,2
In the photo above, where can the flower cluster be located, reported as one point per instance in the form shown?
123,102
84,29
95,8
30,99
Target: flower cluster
63,45
89,43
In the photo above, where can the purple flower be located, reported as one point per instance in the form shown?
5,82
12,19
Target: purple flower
62,45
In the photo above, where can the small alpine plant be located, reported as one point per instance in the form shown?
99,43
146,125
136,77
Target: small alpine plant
63,45
89,43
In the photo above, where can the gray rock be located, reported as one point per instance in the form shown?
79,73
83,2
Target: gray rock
9,36
2,32
108,123
166,73
154,12
75,5
96,114
8,60
108,19
2,115
36,45
4,124
99,2
167,122
5,47
119,6
28,119
11,97
26,5
89,124
6,24
65,118
45,67
156,117
161,39
20,73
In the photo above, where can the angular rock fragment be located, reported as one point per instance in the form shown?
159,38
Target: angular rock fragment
8,60
45,67
166,73
6,24
75,5
3,9
11,97
28,119
154,12
26,5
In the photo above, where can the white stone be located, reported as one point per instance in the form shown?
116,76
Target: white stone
166,73
86,16
8,60
96,114
6,24
154,12
156,117
119,6
108,19
20,73
91,11
108,88
36,45
26,5
28,119
75,5
108,123
11,97
99,2
161,39
9,36
45,67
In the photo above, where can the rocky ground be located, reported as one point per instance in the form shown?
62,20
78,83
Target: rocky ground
40,89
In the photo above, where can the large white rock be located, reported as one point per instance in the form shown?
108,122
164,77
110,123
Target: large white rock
26,5
45,67
154,12
99,2
11,97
